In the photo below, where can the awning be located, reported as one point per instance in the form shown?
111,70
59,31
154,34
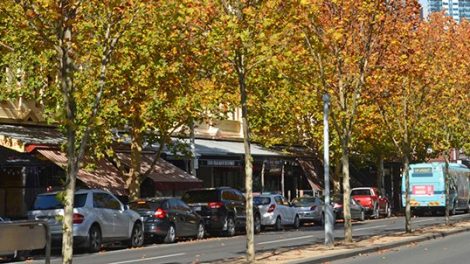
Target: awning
164,174
21,138
104,176
310,173
211,147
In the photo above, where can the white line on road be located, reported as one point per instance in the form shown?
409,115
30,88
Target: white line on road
424,220
147,259
371,227
282,240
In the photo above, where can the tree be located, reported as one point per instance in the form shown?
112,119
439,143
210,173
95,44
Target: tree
451,97
240,35
403,88
156,89
76,40
341,39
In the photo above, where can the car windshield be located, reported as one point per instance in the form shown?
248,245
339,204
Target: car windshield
303,201
50,201
200,196
360,192
259,200
145,205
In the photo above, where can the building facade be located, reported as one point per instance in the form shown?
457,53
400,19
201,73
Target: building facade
457,9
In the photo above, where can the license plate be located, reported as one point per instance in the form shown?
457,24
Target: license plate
197,208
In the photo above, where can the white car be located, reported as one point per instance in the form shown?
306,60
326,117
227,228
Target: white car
276,211
98,217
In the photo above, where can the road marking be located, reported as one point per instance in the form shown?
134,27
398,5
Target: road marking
283,240
424,220
371,227
147,259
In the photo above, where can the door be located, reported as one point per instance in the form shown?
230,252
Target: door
191,220
281,209
177,217
241,206
289,211
104,215
121,221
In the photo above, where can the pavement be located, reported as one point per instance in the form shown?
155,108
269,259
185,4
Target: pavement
378,248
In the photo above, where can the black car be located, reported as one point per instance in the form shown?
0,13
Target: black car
222,208
357,211
166,219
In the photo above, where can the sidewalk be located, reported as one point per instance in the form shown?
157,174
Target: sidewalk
380,243
382,246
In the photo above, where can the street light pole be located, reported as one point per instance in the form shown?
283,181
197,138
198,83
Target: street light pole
329,238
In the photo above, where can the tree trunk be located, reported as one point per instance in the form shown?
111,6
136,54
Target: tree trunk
336,177
380,173
447,186
346,192
250,240
406,165
134,177
72,169
67,87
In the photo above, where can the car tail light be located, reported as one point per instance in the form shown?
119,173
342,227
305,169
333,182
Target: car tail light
271,208
313,208
160,213
77,218
215,205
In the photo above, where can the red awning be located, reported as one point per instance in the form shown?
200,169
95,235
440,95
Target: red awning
163,171
103,176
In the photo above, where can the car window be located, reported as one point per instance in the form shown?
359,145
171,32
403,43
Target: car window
259,200
284,201
303,201
229,195
200,196
181,205
240,196
51,201
145,205
360,192
104,200
278,200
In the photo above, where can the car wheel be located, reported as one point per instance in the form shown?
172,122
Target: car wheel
376,212
200,231
278,224
230,232
389,211
94,239
363,216
453,211
257,223
170,234
137,236
296,222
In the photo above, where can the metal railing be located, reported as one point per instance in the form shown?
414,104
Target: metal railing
25,235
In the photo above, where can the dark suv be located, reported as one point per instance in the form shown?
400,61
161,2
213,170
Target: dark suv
222,208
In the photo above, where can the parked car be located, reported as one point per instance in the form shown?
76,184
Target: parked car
371,199
98,217
310,209
276,211
222,208
357,211
167,219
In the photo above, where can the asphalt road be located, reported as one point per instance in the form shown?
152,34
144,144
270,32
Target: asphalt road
212,249
452,249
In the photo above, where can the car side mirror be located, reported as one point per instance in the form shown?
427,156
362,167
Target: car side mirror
126,207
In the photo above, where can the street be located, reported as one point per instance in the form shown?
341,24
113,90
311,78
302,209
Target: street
451,249
212,249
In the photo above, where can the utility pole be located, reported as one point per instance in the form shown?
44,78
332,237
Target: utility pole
193,163
329,238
